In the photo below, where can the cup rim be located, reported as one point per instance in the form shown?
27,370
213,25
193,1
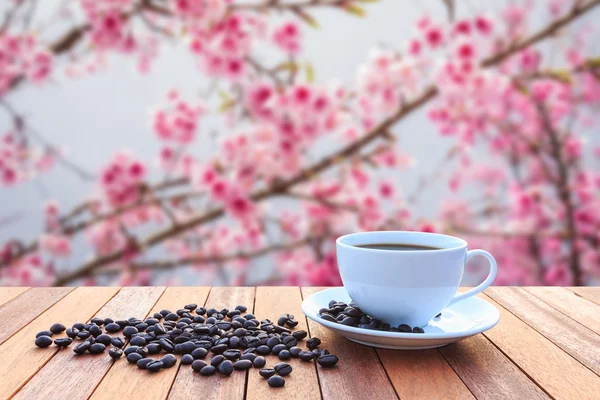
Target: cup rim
340,241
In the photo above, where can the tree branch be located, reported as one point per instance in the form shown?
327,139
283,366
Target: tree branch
282,186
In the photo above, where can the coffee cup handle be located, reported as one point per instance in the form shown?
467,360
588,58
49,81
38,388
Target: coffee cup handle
484,285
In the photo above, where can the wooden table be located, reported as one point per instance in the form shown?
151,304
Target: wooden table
547,345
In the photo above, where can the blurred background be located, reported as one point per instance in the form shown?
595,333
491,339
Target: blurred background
230,142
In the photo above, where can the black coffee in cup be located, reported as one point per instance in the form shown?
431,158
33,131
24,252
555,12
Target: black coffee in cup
396,247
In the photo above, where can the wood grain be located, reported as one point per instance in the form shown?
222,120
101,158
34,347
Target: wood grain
358,374
270,303
21,310
487,372
125,380
9,293
575,339
581,310
73,376
20,359
590,293
526,348
189,384
411,371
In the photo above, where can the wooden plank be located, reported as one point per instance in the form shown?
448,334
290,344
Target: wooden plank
591,293
21,310
125,380
575,339
188,384
411,374
71,376
581,310
20,359
487,372
358,374
9,293
558,373
270,303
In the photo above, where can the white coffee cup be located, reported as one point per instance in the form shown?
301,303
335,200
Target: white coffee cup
406,287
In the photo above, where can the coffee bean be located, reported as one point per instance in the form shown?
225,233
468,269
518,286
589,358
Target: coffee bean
291,323
232,354
349,321
259,362
168,360
290,341
313,343
266,372
295,351
131,349
95,330
306,355
216,360
171,317
242,364
208,370
263,350
115,353
439,315
226,367
282,320
276,381
129,331
300,335
385,327
45,333
72,332
155,366
104,339
191,306
63,342
327,360
166,345
404,328
187,359
278,348
154,348
112,327
185,348
272,342
284,355
201,310
133,358
416,329
117,341
248,356
83,335
199,353
138,341
82,347
143,351
43,341
97,348
283,369
57,328
328,317
197,365
143,363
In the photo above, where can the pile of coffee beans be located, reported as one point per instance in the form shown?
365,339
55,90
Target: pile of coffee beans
350,315
236,340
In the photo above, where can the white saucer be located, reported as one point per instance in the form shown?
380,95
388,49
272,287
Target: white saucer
457,322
